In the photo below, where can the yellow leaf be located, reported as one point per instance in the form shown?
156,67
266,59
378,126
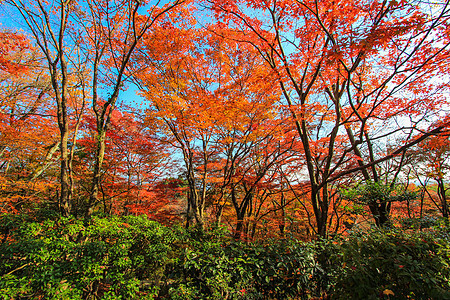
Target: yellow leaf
388,292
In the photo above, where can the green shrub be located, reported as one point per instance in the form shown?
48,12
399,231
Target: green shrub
391,265
220,269
64,259
135,258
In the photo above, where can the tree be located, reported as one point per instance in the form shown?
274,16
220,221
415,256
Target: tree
378,195
217,104
12,45
133,165
28,149
345,69
431,161
114,32
111,31
48,24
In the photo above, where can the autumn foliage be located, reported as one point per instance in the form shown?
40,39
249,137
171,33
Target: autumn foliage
224,149
263,116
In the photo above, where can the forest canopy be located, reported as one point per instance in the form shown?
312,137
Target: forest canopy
259,115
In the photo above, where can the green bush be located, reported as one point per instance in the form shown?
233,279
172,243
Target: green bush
64,259
135,258
205,270
391,265
212,268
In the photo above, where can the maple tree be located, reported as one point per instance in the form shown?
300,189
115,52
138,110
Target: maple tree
133,164
347,68
12,45
185,119
27,143
111,32
216,102
430,162
48,24
249,177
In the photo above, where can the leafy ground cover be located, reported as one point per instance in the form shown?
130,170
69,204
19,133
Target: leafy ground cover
136,258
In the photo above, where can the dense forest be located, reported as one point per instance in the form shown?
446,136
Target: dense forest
224,149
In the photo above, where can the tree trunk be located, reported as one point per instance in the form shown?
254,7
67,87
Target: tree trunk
443,198
96,179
